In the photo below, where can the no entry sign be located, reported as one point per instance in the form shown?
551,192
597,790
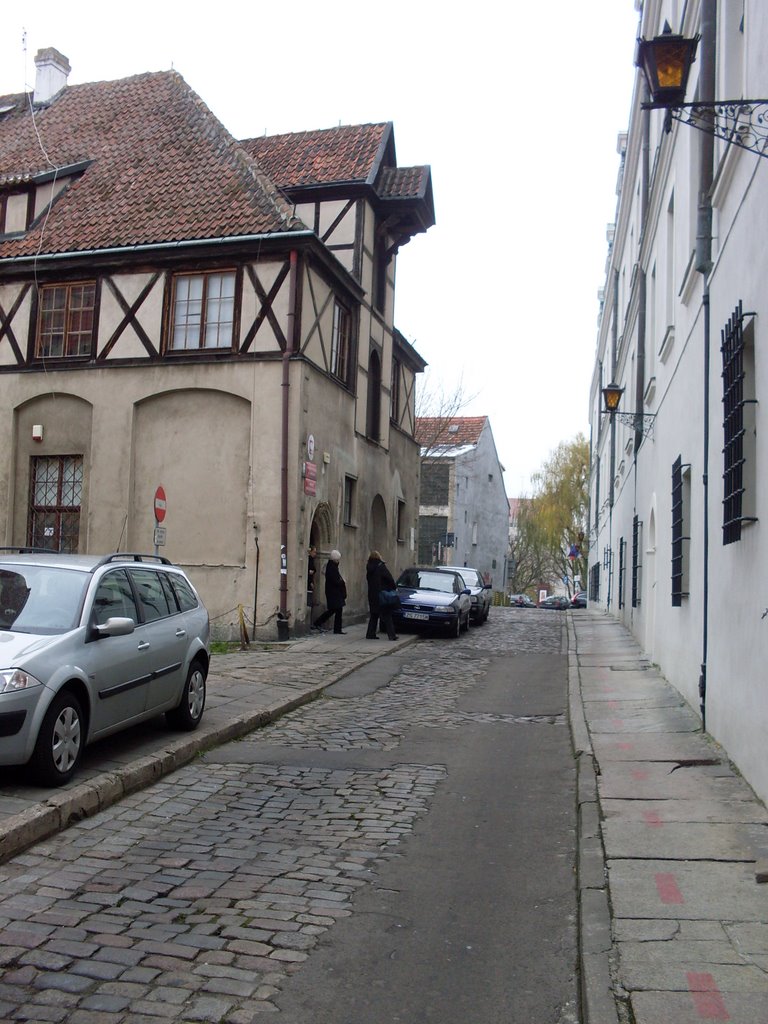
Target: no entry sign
159,505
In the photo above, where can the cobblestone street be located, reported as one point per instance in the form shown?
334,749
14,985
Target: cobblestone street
199,898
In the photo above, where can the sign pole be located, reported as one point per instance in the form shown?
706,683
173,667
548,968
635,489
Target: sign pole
159,506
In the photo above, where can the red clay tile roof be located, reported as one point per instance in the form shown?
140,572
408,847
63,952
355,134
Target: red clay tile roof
436,431
404,182
163,168
349,153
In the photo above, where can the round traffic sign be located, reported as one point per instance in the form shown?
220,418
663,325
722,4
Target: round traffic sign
159,504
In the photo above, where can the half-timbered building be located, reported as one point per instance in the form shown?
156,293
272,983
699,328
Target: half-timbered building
182,310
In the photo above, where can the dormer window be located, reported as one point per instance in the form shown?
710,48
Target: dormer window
16,209
66,321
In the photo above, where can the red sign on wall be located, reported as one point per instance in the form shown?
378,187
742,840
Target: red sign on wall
160,505
310,478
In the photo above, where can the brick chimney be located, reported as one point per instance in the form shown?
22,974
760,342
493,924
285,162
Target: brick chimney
52,71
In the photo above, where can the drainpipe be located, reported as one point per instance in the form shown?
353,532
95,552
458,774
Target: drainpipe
704,266
611,484
282,615
640,381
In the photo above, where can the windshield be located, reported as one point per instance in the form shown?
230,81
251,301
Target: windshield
443,582
40,598
471,578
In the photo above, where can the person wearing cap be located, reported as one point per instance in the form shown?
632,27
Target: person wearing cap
335,594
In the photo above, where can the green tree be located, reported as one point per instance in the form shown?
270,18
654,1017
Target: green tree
553,528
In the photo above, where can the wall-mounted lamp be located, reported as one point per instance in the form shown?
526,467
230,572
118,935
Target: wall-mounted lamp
666,62
641,421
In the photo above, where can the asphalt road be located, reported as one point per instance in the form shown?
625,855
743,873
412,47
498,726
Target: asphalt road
474,920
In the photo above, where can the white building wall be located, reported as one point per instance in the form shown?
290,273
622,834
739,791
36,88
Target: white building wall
659,243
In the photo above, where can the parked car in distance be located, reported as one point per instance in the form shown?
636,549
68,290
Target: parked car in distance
521,601
479,591
579,599
90,645
556,602
432,598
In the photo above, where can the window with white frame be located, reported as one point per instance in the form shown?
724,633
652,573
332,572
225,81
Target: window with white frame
203,311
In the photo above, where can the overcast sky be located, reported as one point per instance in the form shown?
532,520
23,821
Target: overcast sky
517,108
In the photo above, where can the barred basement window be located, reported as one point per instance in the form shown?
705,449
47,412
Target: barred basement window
738,427
637,566
56,491
680,530
622,566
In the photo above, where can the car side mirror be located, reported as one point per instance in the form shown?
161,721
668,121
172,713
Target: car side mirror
466,590
118,626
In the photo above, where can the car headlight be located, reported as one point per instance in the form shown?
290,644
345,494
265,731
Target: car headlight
14,679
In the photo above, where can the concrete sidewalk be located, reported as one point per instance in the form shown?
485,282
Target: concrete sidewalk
672,848
245,691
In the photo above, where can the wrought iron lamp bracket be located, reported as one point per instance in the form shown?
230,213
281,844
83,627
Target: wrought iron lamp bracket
742,123
643,422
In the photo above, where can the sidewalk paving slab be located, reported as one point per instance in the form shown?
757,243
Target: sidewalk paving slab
683,840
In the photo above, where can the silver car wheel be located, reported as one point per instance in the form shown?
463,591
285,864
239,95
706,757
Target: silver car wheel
67,738
189,712
196,693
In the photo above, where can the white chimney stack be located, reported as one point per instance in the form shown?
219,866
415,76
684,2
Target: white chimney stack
52,71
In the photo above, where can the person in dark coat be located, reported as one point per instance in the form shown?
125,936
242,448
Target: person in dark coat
311,568
379,578
335,594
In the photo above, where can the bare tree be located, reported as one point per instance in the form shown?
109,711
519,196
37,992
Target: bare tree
436,407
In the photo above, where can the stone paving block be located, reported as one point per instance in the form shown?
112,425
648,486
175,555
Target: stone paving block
686,890
660,746
682,1007
651,781
677,951
208,1008
63,981
676,840
685,810
631,720
36,1012
633,694
672,976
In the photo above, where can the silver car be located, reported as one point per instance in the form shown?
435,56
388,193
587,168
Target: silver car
90,645
479,590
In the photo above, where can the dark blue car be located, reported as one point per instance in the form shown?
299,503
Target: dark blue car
432,598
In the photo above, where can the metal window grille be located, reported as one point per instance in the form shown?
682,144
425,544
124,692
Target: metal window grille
678,539
622,567
732,349
56,490
637,565
594,582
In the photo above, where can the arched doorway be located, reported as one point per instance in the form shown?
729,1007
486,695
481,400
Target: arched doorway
320,537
